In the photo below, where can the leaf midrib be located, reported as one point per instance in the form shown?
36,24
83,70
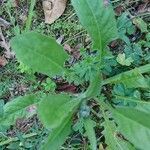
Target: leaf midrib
62,127
130,99
129,118
110,129
99,32
48,59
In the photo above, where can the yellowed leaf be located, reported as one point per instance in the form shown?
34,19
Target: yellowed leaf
53,9
101,147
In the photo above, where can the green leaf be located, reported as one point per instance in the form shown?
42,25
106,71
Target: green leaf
41,53
49,85
134,125
98,19
121,59
132,78
1,108
110,132
30,16
148,36
89,128
139,22
54,109
58,136
140,104
78,126
94,87
16,108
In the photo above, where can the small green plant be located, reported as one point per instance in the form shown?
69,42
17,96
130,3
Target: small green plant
49,85
24,69
83,70
125,115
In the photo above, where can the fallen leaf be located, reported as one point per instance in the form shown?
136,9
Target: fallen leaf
141,24
3,61
68,48
8,53
75,52
53,9
119,9
15,3
65,87
23,124
143,7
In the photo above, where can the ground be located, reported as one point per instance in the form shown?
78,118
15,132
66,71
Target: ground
16,79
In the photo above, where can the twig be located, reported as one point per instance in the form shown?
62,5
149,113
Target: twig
4,23
75,37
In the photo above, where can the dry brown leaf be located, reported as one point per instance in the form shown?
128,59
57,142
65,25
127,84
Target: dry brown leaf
15,3
75,52
8,53
68,48
53,9
119,9
3,61
65,87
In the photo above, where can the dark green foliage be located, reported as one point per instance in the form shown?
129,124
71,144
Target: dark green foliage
127,121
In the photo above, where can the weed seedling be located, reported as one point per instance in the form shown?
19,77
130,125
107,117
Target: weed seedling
125,115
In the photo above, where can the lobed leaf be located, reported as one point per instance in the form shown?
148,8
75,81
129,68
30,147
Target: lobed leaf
110,132
90,132
140,104
132,78
58,136
134,124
